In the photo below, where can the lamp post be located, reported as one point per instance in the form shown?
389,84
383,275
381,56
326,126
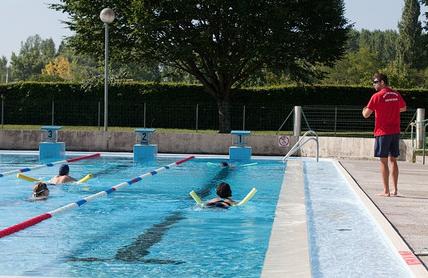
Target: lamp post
106,16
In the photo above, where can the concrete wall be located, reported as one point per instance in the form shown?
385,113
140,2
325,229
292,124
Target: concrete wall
340,147
348,147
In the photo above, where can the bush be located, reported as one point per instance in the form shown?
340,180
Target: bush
172,105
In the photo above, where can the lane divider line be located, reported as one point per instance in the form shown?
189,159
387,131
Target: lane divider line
23,170
37,219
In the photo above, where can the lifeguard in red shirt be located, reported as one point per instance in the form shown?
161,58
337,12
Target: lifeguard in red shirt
387,105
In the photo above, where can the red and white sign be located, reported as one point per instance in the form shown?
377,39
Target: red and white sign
283,141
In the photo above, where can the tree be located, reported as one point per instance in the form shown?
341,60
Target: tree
356,68
87,68
82,66
380,43
3,69
353,42
34,54
425,2
59,67
409,41
221,43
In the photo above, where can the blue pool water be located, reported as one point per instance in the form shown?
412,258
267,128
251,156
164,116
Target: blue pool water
344,239
148,229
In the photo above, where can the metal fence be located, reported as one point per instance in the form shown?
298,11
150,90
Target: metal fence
333,120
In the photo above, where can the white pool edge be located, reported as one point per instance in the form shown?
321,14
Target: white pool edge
288,250
415,267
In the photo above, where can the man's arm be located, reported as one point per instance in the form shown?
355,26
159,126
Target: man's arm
367,112
403,109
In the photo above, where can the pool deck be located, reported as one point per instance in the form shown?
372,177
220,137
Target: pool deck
407,213
402,219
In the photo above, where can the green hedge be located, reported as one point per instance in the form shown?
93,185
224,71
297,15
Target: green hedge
185,93
173,105
125,92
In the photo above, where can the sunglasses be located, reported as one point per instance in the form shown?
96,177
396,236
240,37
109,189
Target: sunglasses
376,81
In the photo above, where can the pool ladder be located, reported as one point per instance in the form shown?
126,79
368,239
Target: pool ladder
423,125
302,141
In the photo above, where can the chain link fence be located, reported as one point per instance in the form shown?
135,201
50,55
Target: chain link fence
326,120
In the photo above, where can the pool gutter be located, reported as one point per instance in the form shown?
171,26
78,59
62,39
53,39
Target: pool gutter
397,243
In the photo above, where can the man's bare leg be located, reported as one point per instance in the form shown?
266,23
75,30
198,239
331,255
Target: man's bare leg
394,174
384,170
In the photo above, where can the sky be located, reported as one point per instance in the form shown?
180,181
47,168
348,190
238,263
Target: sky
20,19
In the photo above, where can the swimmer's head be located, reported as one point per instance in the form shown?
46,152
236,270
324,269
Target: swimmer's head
64,170
40,190
223,190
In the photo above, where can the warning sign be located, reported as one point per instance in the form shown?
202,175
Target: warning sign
283,141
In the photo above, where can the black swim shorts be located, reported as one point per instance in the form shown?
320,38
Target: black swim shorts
387,145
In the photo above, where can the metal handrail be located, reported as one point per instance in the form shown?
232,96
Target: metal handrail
302,141
410,123
413,126
423,143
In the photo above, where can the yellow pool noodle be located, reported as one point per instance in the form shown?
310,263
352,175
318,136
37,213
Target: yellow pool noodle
196,198
248,197
27,178
85,178
31,179
240,203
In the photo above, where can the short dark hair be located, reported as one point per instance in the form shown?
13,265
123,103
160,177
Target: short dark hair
64,170
223,190
381,77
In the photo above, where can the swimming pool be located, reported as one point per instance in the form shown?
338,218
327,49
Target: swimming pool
154,228
149,228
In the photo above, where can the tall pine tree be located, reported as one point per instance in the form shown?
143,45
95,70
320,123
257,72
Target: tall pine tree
409,41
425,2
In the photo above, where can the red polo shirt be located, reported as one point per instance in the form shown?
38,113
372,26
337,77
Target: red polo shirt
386,104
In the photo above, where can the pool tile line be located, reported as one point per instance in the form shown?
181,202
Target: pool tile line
288,250
397,243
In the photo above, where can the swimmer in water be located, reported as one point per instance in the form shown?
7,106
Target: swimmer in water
224,199
40,191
